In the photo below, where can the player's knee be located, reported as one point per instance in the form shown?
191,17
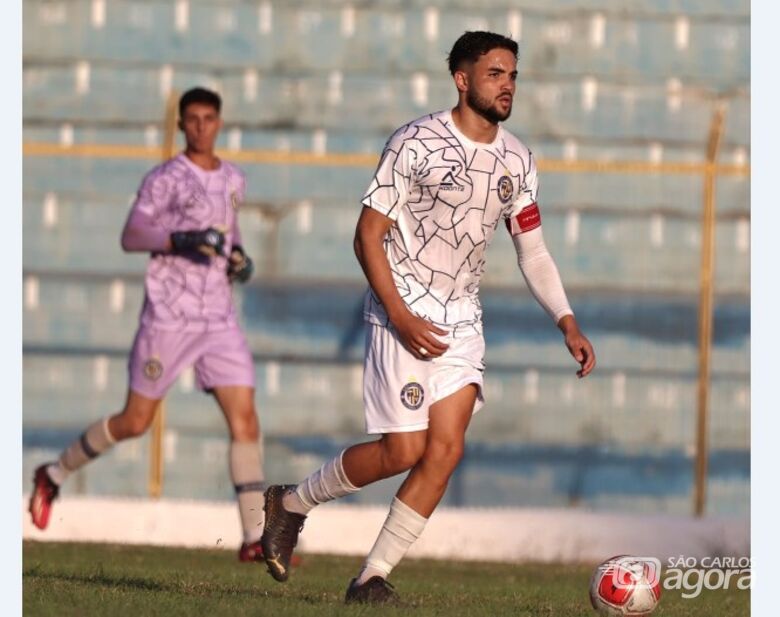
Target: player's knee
245,427
135,425
400,457
444,455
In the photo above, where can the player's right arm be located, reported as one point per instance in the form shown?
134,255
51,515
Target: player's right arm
415,332
144,233
383,201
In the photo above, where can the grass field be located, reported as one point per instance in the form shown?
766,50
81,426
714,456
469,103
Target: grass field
97,579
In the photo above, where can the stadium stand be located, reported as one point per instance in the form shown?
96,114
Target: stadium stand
596,84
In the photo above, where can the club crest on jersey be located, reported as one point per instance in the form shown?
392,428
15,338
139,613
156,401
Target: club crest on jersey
153,369
234,199
505,189
412,395
448,182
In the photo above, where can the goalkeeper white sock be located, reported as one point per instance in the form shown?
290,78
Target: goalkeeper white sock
92,443
402,527
327,483
246,471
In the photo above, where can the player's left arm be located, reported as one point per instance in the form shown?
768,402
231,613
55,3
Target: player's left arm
524,224
142,232
544,281
240,265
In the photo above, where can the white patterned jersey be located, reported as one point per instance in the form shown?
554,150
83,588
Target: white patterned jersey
446,195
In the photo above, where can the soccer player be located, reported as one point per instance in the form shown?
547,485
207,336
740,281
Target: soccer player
186,216
443,185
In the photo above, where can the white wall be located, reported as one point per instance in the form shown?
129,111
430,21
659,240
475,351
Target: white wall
490,534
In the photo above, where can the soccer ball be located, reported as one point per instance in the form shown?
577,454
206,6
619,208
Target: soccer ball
625,585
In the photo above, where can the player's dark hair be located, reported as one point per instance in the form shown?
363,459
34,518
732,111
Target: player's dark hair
471,45
199,95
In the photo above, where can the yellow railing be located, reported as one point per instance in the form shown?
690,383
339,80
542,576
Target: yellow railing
156,443
347,159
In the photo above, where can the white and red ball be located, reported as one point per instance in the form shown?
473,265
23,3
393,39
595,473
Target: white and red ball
625,585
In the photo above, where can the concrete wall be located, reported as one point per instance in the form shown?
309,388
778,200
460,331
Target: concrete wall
484,534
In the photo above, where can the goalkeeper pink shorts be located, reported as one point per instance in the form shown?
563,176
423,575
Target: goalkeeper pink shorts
158,357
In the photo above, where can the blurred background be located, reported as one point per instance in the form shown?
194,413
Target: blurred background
623,104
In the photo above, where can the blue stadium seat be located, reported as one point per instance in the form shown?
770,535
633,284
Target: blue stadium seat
530,406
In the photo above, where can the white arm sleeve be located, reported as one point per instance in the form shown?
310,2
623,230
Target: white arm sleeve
540,273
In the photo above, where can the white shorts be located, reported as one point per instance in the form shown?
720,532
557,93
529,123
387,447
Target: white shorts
398,389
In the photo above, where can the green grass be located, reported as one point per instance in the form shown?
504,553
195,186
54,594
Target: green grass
97,579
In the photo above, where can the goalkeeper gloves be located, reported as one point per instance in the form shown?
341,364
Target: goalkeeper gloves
240,266
210,241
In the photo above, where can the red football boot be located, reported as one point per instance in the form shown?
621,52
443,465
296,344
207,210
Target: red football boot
254,552
251,552
44,493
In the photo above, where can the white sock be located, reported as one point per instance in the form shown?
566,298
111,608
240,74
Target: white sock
327,483
402,527
92,443
57,473
246,471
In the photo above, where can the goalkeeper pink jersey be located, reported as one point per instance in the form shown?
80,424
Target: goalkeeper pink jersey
186,292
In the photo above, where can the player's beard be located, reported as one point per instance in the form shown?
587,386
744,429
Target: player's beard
485,109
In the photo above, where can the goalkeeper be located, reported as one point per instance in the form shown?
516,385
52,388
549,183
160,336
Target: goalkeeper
186,216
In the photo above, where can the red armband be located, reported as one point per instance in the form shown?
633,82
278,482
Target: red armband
528,219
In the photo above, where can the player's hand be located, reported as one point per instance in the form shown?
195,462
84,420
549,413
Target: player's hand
417,335
578,345
210,242
240,266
